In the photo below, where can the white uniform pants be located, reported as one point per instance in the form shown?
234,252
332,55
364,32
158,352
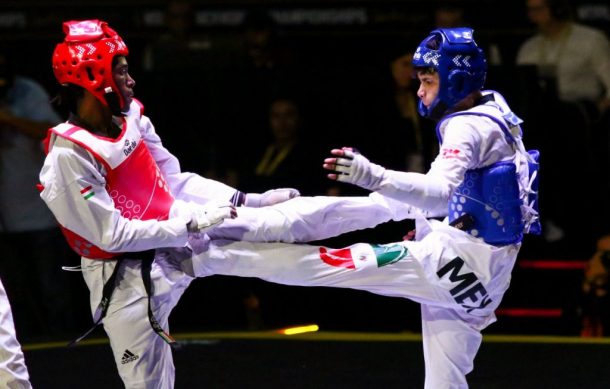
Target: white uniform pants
458,281
143,359
13,372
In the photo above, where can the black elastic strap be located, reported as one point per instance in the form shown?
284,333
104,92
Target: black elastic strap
238,198
146,269
103,305
464,222
110,285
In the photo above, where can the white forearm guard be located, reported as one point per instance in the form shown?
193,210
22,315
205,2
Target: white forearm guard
416,189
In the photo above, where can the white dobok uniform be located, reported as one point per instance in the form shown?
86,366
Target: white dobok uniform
458,278
98,217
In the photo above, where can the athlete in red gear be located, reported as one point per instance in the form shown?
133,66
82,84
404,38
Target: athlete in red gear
119,195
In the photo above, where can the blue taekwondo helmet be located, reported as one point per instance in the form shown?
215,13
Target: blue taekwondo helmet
459,62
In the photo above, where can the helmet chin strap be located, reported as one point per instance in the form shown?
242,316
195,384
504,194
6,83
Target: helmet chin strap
438,111
435,112
113,101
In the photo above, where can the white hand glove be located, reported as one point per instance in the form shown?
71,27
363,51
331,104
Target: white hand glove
270,197
210,215
354,168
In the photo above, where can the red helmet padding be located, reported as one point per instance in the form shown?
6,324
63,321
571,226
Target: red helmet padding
85,56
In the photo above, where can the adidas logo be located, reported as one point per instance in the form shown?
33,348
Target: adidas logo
128,356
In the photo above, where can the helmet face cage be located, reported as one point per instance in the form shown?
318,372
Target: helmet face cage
459,62
85,57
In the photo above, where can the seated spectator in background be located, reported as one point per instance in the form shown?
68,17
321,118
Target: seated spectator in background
286,160
267,66
238,92
575,56
32,246
573,62
288,157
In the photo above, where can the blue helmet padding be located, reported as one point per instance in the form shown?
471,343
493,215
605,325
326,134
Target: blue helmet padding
459,62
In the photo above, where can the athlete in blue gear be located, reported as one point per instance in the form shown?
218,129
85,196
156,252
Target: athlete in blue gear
483,182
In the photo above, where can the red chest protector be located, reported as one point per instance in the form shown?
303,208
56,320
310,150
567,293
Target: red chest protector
133,178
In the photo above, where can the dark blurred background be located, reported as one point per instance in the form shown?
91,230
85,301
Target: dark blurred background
209,72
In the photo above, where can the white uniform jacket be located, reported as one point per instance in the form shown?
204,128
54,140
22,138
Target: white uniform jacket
74,183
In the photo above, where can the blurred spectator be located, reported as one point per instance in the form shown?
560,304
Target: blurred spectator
573,56
259,39
450,14
266,67
573,63
178,46
289,159
32,246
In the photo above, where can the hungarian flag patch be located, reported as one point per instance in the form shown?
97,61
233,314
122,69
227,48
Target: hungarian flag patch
87,192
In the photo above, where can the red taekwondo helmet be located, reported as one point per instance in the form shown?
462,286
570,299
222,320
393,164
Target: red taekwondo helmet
85,56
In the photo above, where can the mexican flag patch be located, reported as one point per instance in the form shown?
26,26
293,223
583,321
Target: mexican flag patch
363,255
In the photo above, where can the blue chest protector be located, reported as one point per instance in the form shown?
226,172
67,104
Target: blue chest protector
491,195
